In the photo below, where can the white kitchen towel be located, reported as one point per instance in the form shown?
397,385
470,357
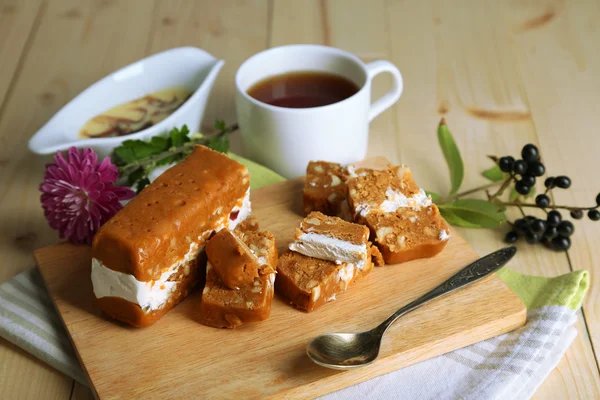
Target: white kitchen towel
512,365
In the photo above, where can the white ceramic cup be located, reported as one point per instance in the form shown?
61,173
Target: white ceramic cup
286,139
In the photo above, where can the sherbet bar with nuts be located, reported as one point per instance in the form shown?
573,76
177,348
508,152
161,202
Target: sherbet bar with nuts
332,239
232,259
325,189
223,307
148,257
384,191
308,282
409,233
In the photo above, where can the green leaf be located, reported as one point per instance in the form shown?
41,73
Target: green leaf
142,183
135,176
531,193
455,220
133,150
514,195
179,136
452,155
220,125
434,196
219,143
476,212
495,174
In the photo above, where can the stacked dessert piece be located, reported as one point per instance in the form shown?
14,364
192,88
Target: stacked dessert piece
148,257
240,277
327,256
403,221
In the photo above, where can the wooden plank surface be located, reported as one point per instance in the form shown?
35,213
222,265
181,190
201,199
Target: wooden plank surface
17,25
123,362
468,69
526,57
73,44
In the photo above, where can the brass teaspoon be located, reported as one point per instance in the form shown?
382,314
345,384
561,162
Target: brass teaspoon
354,350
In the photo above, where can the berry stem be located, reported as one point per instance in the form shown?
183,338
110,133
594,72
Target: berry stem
553,207
501,189
468,192
521,209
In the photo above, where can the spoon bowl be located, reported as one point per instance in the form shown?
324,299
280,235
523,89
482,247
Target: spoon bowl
344,350
354,350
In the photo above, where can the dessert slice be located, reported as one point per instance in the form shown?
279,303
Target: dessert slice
309,282
332,239
409,233
223,307
325,189
384,191
233,261
146,258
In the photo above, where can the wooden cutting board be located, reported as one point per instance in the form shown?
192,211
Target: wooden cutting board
179,358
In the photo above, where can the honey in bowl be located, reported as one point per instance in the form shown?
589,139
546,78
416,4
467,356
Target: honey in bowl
136,115
304,89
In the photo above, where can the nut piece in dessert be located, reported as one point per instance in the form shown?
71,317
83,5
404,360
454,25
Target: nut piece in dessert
408,233
223,307
309,282
231,259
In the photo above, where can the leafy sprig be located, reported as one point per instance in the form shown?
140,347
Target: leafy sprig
137,158
461,209
455,208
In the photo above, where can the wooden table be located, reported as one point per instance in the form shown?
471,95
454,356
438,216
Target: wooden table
504,73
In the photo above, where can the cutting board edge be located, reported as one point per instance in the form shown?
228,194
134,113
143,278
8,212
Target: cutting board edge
397,361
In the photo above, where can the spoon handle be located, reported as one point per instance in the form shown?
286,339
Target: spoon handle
472,273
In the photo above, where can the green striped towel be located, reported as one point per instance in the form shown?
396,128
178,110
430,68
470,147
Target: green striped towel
512,365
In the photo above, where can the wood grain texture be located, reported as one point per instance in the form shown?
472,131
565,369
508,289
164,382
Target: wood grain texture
566,114
468,71
504,73
22,376
73,44
231,30
179,358
17,24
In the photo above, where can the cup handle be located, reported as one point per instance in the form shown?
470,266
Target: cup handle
384,102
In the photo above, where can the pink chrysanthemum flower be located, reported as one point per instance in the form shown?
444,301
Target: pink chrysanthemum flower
79,194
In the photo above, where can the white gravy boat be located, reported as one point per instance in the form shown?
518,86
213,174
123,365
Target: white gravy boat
184,66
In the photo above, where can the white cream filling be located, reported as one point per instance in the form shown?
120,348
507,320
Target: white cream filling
244,211
331,249
152,295
395,200
444,235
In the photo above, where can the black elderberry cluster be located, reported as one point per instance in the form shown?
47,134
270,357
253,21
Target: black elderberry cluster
552,231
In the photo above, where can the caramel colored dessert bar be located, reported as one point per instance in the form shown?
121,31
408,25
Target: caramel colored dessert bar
332,239
223,307
145,258
232,260
409,233
249,224
309,282
384,191
325,189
